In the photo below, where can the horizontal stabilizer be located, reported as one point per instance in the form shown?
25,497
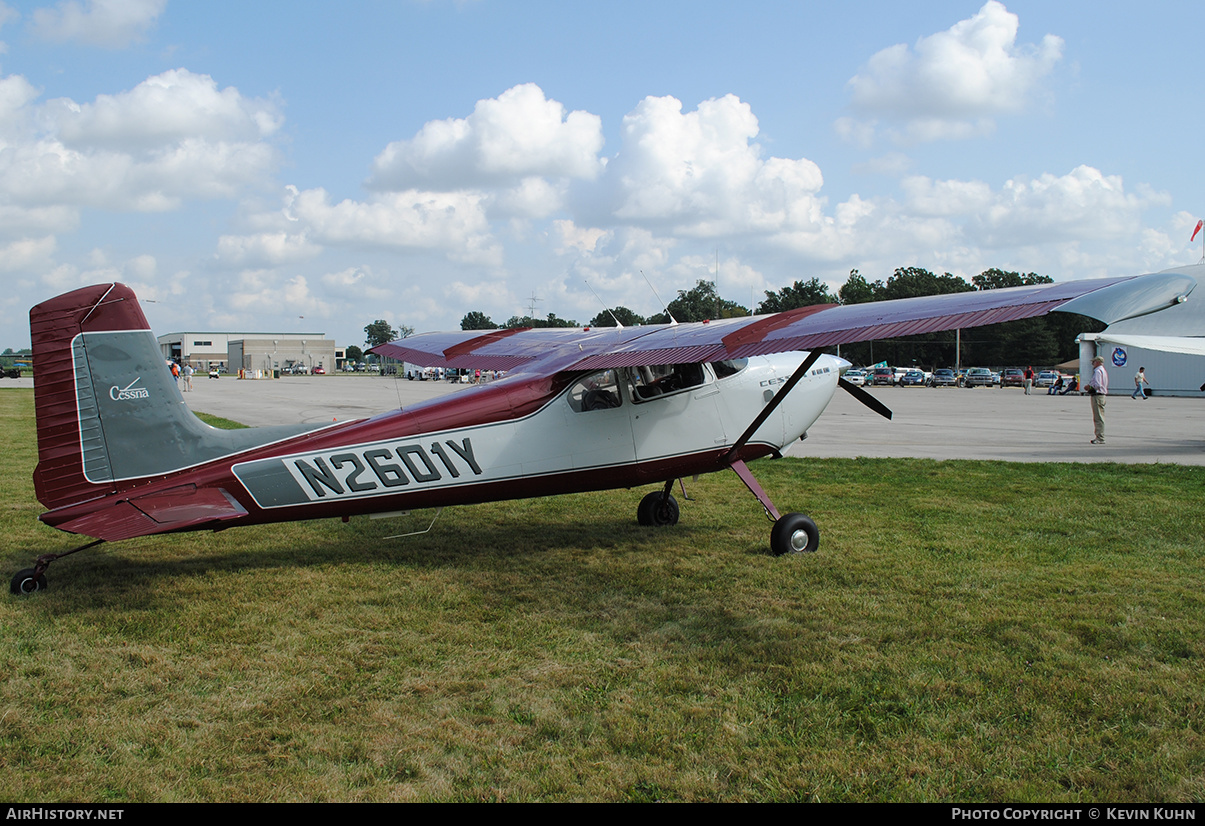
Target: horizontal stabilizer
171,510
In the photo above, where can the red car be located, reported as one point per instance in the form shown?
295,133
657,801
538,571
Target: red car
1012,377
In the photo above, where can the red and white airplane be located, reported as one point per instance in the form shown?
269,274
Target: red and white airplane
120,456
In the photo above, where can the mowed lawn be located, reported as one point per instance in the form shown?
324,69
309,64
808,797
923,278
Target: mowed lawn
967,632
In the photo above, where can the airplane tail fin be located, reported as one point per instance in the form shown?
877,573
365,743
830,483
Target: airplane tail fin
73,456
108,409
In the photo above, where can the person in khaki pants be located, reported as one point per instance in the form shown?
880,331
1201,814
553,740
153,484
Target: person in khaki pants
1098,388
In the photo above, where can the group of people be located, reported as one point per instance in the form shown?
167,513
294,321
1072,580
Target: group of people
1062,387
178,372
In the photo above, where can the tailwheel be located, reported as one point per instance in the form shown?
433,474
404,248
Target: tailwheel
27,581
658,509
794,533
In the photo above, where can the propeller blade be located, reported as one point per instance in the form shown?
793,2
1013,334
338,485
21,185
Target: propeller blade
866,399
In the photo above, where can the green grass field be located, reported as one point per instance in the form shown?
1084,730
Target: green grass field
967,632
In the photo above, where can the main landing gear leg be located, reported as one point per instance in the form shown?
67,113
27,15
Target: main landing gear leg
793,533
33,579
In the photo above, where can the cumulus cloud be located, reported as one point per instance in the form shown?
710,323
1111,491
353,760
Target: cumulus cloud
26,253
16,93
701,173
519,134
924,196
174,136
570,236
1083,204
953,83
110,24
170,108
454,223
265,249
140,272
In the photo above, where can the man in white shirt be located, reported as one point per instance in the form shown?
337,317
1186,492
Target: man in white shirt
1139,380
1098,388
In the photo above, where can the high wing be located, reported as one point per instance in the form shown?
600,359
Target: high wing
554,350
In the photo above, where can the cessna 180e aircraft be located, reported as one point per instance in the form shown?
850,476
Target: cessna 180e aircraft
120,456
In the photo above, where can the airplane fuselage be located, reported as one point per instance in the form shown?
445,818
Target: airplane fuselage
518,437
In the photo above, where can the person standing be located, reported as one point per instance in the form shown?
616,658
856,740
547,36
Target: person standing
1028,379
1098,388
188,371
1139,380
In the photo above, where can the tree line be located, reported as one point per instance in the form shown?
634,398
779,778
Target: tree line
1038,342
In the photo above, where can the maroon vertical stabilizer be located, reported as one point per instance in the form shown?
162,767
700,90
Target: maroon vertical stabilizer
53,325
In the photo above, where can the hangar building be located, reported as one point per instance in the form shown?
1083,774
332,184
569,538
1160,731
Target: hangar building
1170,344
267,352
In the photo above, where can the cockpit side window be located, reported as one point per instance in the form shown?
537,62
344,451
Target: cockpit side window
663,379
597,391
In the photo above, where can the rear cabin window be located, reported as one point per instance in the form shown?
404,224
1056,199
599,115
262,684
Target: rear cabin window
597,391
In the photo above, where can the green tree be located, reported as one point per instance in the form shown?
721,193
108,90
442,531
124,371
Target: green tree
799,294
911,282
700,303
995,279
380,332
477,320
626,317
528,321
353,354
857,290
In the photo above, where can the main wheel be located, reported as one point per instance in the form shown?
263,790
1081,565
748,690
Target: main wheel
654,511
794,533
26,583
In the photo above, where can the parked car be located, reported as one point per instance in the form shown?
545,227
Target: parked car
855,377
943,378
1012,377
318,371
1046,378
913,378
882,375
977,377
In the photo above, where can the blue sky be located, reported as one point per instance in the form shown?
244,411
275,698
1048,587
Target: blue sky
315,166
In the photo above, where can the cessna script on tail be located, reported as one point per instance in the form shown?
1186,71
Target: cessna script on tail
120,456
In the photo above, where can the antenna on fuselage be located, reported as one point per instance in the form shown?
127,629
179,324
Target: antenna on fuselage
606,309
672,320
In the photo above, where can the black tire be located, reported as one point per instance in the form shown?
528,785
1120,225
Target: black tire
655,512
794,533
26,583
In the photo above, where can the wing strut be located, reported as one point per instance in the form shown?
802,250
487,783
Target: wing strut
742,470
781,395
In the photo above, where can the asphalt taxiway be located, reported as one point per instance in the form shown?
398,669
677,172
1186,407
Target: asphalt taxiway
933,423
